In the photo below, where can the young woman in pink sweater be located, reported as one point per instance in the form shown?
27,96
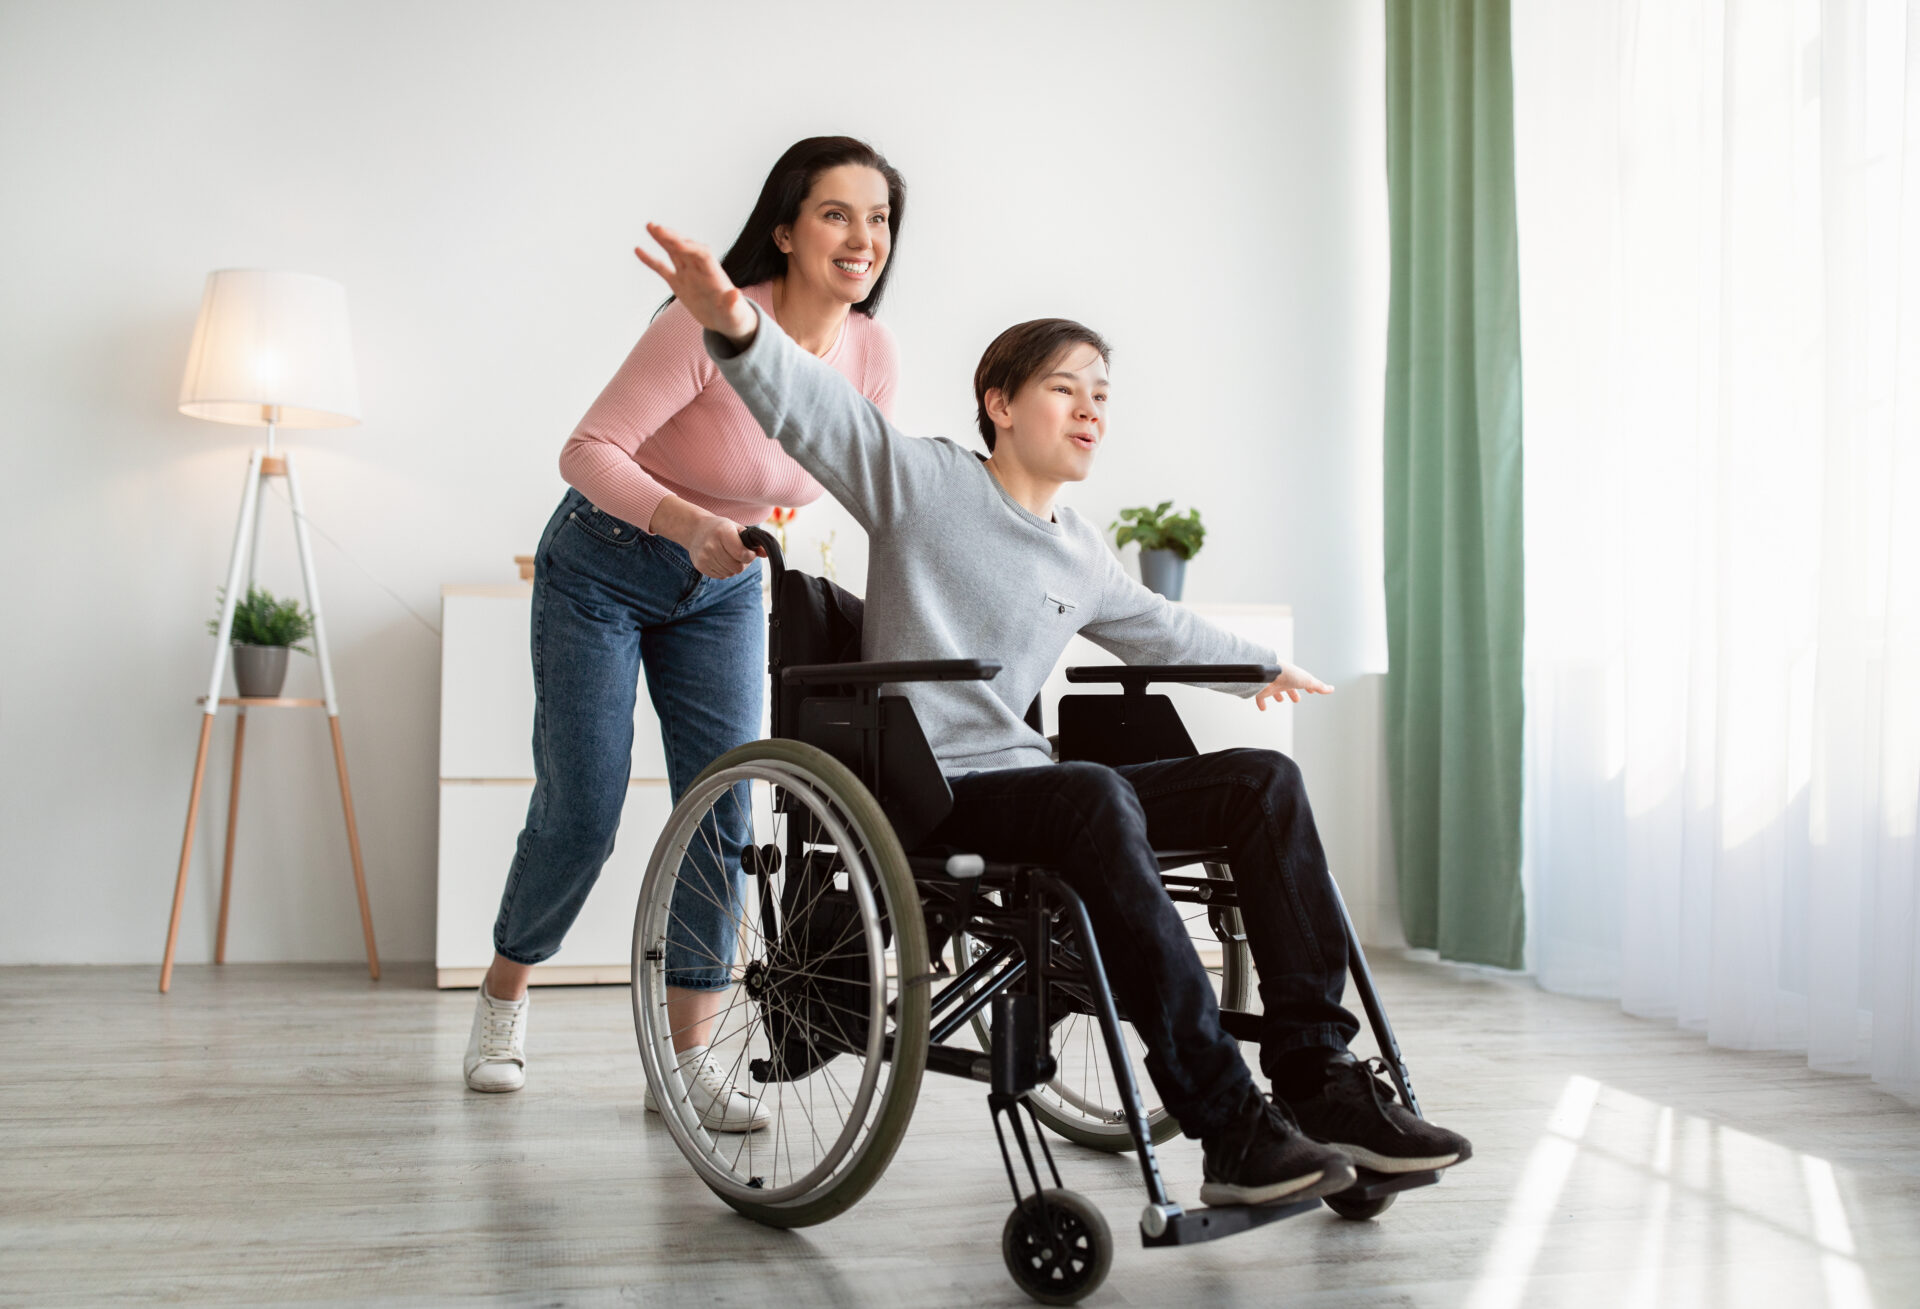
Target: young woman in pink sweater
641,565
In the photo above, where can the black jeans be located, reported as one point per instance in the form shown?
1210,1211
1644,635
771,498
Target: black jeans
1098,826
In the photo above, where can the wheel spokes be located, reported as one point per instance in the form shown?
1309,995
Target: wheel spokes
809,990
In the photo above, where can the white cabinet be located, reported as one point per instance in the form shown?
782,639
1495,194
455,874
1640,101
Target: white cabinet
486,779
479,821
486,689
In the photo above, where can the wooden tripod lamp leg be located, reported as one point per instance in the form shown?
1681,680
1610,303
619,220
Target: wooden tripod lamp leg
233,821
312,581
249,512
186,850
353,844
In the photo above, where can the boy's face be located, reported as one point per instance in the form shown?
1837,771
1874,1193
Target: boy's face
1054,424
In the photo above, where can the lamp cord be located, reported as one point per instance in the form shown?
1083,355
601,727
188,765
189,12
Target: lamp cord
348,556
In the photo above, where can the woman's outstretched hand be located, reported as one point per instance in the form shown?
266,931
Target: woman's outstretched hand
1290,684
699,283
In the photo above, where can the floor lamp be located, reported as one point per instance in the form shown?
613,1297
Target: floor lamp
270,349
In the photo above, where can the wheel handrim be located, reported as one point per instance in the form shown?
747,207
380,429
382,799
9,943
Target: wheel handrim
770,1171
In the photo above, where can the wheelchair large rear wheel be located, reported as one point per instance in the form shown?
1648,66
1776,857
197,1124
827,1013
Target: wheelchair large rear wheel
782,863
1082,1101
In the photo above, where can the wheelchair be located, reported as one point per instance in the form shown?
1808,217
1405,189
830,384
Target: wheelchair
839,994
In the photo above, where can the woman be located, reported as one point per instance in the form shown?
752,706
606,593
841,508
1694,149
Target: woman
642,564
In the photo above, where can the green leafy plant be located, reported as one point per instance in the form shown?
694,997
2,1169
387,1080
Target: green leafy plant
1160,529
263,619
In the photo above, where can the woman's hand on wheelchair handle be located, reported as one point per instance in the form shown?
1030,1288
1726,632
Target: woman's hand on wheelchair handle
711,541
693,272
1290,684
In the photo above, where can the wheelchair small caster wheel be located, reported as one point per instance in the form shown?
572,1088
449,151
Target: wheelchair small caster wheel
1057,1246
1358,1210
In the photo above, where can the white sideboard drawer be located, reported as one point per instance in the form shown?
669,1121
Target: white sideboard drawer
486,689
479,823
1215,721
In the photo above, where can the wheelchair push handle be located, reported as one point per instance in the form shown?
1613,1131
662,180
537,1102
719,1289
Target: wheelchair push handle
1133,678
759,538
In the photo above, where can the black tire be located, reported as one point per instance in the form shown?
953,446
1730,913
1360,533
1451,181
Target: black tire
1359,1210
1057,1246
845,820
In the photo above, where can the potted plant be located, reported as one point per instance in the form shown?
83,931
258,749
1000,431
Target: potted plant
264,629
1166,539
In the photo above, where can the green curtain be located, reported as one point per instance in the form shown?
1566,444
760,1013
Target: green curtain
1453,540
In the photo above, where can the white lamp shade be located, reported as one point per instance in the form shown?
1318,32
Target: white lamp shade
271,347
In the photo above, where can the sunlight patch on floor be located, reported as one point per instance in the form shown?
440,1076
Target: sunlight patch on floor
1701,1209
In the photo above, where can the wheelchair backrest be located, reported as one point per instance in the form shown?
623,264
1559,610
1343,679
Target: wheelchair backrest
814,621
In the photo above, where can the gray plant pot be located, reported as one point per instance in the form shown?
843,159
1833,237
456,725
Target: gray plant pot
1163,571
259,670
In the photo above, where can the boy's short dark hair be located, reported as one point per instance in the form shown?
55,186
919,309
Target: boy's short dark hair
1018,354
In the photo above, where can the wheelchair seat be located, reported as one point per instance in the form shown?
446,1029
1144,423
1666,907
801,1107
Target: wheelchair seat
1180,858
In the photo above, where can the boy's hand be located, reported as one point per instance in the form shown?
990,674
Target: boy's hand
699,283
1290,684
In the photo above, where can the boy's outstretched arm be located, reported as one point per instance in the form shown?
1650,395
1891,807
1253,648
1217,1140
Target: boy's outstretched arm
1144,628
817,415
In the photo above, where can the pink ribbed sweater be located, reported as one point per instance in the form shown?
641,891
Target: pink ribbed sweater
668,424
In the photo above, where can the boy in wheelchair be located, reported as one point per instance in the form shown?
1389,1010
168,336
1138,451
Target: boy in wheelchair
971,558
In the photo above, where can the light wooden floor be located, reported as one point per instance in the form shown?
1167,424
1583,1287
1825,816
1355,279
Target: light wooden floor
278,1133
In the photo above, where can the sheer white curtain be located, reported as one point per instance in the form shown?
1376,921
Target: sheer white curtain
1720,279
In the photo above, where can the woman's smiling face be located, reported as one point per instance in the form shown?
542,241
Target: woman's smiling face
839,241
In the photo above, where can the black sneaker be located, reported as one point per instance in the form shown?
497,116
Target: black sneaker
1261,1158
1357,1112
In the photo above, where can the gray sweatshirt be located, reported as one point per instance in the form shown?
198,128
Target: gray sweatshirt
957,569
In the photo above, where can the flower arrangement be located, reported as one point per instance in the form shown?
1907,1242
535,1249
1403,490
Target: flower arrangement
778,521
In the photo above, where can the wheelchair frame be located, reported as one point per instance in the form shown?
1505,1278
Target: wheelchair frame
1015,911
1017,978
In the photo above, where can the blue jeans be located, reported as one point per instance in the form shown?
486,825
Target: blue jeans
1099,826
608,598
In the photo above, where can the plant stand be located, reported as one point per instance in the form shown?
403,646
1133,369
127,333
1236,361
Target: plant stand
246,540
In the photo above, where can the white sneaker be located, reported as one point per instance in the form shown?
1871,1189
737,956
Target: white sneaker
497,1048
723,1106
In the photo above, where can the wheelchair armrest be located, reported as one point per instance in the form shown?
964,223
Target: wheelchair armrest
1134,677
905,670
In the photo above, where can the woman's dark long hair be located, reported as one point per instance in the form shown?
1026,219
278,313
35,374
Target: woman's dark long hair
754,257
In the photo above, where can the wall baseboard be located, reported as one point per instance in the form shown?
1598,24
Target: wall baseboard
543,975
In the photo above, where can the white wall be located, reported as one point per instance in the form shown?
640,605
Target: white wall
1201,181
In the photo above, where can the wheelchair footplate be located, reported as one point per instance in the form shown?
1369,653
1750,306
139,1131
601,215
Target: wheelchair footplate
1169,1224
